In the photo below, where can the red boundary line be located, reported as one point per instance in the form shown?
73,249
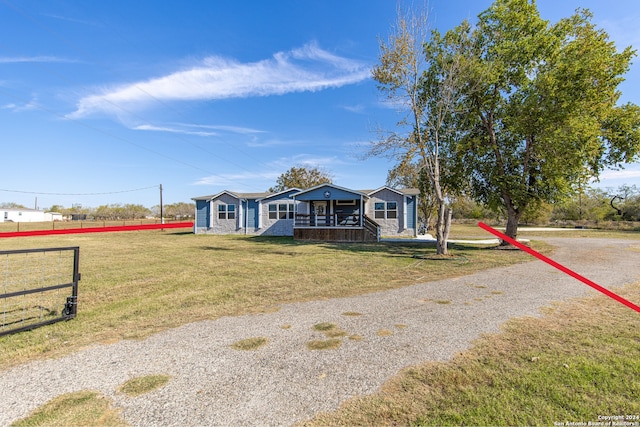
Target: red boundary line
98,229
559,267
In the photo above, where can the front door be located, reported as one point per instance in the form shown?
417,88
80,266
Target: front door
321,212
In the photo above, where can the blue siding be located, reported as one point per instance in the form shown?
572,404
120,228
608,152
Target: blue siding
335,194
411,212
202,214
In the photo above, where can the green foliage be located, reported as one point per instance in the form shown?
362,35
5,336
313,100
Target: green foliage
465,208
539,106
117,211
302,178
179,210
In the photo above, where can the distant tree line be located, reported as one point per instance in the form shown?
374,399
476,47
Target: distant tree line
117,211
587,204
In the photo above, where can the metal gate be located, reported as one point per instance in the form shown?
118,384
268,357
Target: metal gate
34,287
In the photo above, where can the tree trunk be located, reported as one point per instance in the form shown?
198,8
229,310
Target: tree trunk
513,217
443,225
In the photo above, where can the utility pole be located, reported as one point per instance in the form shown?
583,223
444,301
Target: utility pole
161,213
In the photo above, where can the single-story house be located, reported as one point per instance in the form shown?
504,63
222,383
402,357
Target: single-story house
28,215
326,212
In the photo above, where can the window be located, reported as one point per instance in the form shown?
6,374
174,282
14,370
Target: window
226,211
392,210
378,210
281,211
388,210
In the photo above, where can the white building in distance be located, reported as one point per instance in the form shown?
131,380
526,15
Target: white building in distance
28,215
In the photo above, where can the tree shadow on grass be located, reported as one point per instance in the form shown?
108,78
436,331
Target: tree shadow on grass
410,248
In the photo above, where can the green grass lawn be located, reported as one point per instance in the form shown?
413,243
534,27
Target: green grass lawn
137,283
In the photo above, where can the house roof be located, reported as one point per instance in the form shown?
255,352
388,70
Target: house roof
403,191
267,194
19,210
348,190
235,195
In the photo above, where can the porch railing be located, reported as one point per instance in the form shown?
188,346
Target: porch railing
372,226
335,220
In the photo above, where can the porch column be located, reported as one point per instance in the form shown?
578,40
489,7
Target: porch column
211,214
404,212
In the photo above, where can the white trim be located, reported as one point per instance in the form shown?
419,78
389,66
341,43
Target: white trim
259,214
211,213
404,214
271,196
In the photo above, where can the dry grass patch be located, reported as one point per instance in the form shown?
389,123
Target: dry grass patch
351,313
437,301
330,330
83,408
143,385
324,326
384,333
249,344
330,344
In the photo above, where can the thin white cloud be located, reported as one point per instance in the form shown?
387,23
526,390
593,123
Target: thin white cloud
173,130
234,179
271,142
196,129
306,160
307,69
620,174
359,108
74,20
27,106
224,128
37,58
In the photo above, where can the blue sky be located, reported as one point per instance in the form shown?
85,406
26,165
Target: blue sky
99,98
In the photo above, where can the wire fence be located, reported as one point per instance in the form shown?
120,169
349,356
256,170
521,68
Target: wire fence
37,287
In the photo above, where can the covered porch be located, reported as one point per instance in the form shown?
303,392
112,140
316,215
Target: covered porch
333,214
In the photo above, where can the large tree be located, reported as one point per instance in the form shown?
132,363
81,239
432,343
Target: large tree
301,177
540,105
417,72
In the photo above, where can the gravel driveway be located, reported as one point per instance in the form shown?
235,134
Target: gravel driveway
284,382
